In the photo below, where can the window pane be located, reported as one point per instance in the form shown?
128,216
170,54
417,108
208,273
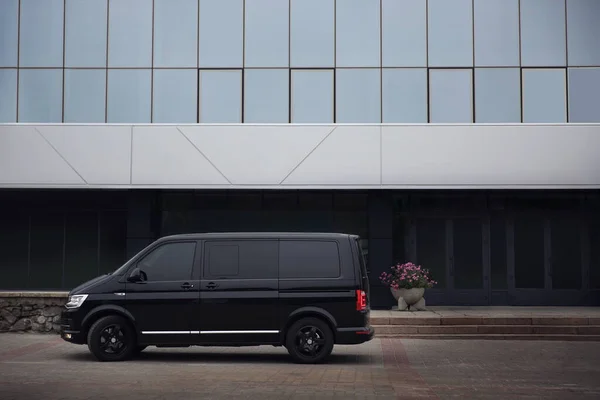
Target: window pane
14,249
496,33
222,19
8,95
223,260
130,33
267,33
307,259
358,96
404,33
583,32
357,33
584,95
175,33
266,96
404,95
41,38
250,259
543,33
450,33
312,96
312,33
497,95
529,252
175,95
40,95
221,96
85,33
9,32
46,251
85,92
566,253
81,248
169,262
544,97
128,96
451,96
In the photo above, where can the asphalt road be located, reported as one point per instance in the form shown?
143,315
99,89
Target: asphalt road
34,366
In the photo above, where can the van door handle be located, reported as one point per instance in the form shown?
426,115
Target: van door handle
212,285
186,286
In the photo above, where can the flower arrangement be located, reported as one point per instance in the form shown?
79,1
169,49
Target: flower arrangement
407,276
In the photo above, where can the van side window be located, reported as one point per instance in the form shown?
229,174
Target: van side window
169,262
240,259
308,259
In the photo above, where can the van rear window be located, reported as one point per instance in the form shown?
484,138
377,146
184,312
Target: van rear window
308,259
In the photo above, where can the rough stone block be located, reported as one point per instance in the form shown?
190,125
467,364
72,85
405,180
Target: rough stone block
23,324
8,316
51,311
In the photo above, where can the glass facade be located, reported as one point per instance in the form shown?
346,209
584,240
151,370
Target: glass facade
299,61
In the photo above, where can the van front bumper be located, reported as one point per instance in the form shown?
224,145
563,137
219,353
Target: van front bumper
354,335
69,328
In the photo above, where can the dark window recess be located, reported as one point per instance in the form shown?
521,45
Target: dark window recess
308,259
498,253
241,259
594,234
81,248
46,257
431,248
566,253
112,240
529,252
169,262
14,248
468,253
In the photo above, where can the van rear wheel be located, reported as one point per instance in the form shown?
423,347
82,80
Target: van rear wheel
309,341
111,338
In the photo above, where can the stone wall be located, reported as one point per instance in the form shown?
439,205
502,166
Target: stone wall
31,311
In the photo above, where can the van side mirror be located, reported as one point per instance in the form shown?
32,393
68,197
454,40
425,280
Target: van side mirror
137,275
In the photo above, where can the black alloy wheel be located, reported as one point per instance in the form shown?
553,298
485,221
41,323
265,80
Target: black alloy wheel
309,341
111,338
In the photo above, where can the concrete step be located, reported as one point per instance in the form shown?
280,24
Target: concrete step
486,330
569,338
472,320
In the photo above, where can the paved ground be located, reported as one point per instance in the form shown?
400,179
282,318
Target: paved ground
44,367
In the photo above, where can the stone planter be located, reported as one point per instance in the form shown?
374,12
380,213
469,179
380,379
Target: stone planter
409,299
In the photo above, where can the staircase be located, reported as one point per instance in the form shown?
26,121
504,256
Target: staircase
472,325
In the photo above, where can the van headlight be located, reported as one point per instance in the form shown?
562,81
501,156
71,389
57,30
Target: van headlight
76,300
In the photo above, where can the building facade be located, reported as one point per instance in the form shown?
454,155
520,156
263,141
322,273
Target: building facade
462,135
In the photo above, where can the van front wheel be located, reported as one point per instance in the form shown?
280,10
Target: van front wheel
111,338
309,341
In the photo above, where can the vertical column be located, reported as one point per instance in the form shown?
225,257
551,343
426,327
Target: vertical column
142,215
381,246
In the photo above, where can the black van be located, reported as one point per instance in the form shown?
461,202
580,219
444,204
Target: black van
304,291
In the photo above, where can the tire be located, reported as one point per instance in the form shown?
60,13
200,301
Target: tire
100,339
309,341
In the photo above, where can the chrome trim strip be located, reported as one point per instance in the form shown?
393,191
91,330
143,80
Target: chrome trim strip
235,332
166,332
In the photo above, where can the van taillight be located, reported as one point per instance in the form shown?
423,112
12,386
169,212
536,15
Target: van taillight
361,300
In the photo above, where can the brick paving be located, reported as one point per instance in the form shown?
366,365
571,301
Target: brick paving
42,366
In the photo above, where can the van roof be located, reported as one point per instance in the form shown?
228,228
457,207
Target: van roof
260,235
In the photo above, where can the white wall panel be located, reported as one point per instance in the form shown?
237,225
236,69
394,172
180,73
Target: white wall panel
101,156
300,156
489,156
256,155
163,155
